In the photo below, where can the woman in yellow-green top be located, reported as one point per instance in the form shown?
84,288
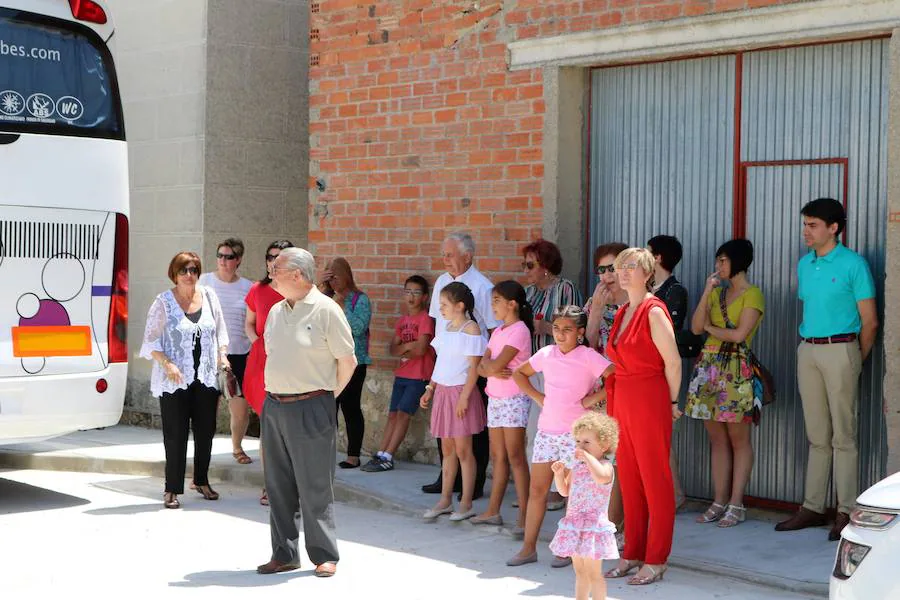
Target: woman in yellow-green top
721,392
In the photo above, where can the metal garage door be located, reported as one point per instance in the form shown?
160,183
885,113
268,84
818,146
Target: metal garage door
813,121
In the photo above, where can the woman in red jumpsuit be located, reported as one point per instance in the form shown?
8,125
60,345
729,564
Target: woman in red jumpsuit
647,381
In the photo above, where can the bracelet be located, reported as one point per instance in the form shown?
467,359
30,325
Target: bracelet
429,387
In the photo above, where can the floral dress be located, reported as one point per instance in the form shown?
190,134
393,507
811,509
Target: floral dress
586,530
722,387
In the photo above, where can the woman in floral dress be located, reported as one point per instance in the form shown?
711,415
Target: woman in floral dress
721,391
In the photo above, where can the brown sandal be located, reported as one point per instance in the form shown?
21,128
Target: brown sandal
170,500
623,570
264,499
241,457
207,492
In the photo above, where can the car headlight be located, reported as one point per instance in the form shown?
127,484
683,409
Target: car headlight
871,518
849,556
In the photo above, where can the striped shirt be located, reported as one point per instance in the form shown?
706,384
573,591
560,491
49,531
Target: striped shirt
545,303
231,297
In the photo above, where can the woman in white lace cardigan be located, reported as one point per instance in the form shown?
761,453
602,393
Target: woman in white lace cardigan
187,341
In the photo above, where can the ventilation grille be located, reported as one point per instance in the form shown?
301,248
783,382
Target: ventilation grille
26,239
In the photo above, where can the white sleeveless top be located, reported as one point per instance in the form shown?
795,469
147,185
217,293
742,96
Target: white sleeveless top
234,308
453,351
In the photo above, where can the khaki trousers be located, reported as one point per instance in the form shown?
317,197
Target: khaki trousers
828,376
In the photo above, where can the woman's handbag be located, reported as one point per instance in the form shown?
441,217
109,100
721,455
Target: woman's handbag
228,384
762,377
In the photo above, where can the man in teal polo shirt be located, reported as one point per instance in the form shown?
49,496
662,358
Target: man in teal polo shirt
839,326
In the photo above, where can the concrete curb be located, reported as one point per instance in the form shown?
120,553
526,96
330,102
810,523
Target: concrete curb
362,498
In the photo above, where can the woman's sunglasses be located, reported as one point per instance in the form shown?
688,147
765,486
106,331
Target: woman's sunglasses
188,271
528,265
271,257
226,256
601,269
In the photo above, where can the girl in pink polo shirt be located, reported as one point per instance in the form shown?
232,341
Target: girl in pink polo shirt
571,369
508,406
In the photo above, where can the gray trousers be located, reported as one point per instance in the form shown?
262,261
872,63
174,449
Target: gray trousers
299,441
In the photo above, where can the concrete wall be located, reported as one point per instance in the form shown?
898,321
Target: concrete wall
161,63
892,284
216,113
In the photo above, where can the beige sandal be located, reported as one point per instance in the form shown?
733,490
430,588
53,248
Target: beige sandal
623,570
656,574
734,515
712,514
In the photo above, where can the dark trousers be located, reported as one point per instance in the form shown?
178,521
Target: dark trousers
300,440
193,409
481,448
350,403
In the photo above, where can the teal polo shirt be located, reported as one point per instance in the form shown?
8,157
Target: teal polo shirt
830,286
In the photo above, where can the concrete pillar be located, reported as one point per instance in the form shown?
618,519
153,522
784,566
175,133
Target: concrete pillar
565,176
892,260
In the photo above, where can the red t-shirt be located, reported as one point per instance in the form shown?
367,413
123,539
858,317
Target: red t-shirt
409,329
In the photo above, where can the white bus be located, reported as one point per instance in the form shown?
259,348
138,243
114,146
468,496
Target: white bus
63,221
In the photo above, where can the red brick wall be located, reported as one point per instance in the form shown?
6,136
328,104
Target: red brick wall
418,129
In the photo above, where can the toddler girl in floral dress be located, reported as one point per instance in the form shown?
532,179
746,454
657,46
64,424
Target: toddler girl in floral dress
586,533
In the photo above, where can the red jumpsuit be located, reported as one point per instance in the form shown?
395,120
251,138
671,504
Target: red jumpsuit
642,406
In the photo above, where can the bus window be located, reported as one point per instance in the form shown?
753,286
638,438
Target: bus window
56,77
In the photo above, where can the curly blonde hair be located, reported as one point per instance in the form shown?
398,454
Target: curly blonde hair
603,426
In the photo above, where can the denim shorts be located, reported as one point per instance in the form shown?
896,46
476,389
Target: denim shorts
406,395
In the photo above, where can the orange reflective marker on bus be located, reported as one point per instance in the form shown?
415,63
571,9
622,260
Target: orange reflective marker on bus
44,341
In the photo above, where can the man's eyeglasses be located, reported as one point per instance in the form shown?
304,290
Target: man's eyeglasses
226,256
601,269
271,257
528,265
413,292
188,271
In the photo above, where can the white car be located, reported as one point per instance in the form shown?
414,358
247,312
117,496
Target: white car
868,557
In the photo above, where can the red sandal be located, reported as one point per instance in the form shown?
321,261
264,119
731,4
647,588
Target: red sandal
241,457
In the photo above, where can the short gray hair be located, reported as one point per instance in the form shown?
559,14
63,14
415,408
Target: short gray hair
301,260
464,241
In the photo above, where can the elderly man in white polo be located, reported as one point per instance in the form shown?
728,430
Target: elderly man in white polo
310,359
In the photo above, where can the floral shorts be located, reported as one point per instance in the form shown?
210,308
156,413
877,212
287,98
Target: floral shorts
508,412
550,447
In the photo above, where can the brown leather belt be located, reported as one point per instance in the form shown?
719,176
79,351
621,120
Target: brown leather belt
288,398
841,338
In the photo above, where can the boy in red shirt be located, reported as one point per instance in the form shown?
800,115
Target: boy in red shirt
412,343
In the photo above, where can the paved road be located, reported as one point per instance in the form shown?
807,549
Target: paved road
105,536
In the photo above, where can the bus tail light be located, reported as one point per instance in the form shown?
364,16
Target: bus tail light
88,10
117,336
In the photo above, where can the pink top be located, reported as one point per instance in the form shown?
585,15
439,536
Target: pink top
517,336
409,329
568,378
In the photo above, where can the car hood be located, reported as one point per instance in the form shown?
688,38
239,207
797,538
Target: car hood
884,494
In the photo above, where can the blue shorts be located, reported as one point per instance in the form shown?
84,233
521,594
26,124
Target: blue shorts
406,394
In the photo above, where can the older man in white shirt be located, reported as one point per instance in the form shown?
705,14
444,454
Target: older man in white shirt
458,252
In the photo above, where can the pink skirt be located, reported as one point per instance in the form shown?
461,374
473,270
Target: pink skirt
445,423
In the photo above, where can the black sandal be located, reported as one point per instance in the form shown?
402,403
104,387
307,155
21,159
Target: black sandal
207,492
170,500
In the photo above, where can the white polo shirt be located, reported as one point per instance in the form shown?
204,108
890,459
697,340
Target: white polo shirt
481,288
304,343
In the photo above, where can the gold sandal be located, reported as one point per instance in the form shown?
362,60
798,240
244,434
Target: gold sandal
712,514
623,571
656,575
733,516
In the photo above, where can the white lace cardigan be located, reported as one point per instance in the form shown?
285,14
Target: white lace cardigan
170,331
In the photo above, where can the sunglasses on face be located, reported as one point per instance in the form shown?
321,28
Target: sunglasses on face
271,257
528,265
226,256
601,269
188,271
628,267
412,293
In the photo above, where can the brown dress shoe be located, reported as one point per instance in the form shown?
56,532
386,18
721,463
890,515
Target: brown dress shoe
841,521
803,519
276,566
326,569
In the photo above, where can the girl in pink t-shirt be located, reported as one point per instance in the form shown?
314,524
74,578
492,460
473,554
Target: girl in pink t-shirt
508,407
571,369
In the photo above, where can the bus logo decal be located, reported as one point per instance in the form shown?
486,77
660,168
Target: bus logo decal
11,103
69,108
41,106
